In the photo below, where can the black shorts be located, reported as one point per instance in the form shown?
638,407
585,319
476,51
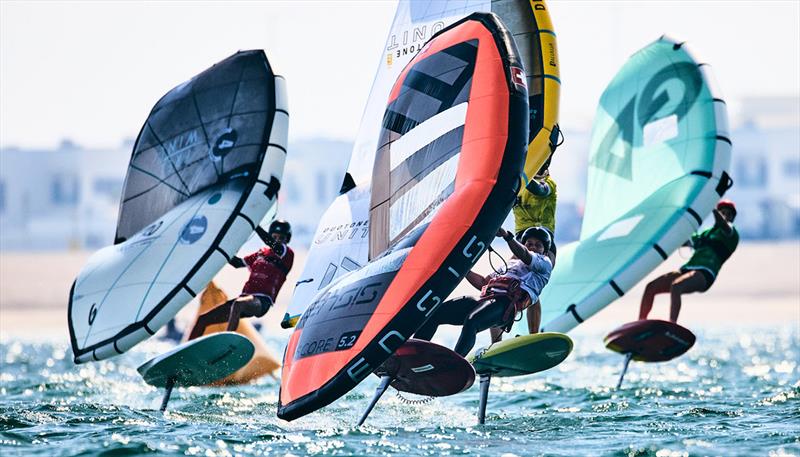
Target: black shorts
706,274
265,301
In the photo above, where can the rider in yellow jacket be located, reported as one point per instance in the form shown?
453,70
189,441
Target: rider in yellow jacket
536,207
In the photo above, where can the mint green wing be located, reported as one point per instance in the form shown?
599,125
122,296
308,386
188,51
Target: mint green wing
659,160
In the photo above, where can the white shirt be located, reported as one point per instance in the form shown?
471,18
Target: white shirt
532,277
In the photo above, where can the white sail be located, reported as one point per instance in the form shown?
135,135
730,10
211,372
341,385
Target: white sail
205,169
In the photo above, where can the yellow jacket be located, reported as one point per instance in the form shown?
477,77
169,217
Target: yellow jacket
531,210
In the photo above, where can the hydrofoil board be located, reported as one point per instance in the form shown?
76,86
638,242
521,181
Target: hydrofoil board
649,340
423,368
521,355
197,362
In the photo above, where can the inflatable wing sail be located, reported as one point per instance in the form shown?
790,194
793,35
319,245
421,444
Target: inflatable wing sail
205,169
659,157
533,32
341,243
445,176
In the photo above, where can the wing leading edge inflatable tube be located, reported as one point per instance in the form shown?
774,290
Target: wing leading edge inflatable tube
530,24
205,169
359,321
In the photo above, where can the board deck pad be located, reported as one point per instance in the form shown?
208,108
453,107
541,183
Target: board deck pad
523,355
425,368
650,340
200,361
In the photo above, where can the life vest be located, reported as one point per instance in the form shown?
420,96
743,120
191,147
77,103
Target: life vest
508,289
268,271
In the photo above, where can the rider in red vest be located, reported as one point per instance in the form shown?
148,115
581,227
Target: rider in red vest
268,269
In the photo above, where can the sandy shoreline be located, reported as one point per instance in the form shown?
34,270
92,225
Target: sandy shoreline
760,285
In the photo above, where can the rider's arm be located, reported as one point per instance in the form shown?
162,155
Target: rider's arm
237,262
277,247
721,222
540,189
477,281
265,236
517,249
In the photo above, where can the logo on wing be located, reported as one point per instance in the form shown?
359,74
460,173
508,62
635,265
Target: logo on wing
518,78
224,144
151,229
194,230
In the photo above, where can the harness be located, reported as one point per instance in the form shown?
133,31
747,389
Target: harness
510,289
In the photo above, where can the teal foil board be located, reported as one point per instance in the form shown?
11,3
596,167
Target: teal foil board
199,362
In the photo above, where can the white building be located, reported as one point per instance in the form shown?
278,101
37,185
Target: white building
766,168
68,198
62,198
312,178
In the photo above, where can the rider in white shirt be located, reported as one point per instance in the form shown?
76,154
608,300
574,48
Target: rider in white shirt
502,295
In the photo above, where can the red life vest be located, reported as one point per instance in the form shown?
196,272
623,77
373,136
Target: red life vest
268,271
508,288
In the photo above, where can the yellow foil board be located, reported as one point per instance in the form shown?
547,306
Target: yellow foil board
263,362
523,355
540,146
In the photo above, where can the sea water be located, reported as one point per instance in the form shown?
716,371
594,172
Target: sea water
735,393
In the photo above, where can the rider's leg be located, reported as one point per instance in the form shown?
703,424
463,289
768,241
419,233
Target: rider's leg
660,285
691,281
534,317
496,334
489,314
451,312
236,312
248,306
213,316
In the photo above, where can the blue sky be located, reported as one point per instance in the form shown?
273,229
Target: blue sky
91,71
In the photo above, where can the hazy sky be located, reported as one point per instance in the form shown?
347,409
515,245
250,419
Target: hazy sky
91,71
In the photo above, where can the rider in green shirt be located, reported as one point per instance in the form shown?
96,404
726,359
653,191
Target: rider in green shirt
712,247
